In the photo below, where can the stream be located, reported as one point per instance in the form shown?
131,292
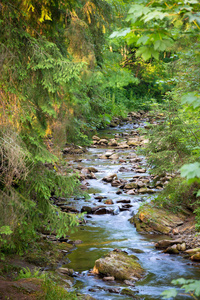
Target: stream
102,233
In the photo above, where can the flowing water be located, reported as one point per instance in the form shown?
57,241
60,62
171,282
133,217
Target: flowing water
103,233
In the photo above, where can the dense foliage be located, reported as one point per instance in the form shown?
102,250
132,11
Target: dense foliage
65,73
51,55
167,34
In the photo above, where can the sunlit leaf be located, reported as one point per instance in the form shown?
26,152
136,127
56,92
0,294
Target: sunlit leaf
192,99
192,287
120,33
190,170
179,281
154,15
170,293
143,40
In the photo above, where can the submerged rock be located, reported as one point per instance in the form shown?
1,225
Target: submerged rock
119,265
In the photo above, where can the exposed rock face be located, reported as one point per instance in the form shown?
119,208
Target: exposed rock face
180,227
120,266
158,220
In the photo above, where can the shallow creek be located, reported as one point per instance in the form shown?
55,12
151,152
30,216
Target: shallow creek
103,233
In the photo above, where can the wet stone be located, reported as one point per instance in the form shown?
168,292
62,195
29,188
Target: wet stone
124,201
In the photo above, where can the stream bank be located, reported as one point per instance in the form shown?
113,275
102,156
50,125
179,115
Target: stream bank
118,181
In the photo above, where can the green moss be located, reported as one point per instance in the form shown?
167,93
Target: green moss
129,292
120,265
47,253
151,218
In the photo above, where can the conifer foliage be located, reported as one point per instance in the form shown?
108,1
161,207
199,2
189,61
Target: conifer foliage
37,84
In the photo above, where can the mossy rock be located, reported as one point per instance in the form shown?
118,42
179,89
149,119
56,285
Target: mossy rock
129,292
159,220
48,253
119,265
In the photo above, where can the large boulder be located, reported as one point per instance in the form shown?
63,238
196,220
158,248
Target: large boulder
158,220
119,265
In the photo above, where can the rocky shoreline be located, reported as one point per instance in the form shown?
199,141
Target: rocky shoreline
179,228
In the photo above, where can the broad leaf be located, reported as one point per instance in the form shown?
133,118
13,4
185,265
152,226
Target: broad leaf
120,33
162,45
143,40
154,15
192,99
147,53
190,170
179,281
170,293
192,287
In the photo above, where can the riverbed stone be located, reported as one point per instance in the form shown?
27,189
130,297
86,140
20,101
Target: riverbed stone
109,153
129,292
66,271
92,169
146,191
131,192
96,138
109,278
86,209
113,143
116,182
110,178
131,185
124,201
141,170
167,243
133,142
114,156
141,184
119,265
102,211
196,257
123,145
172,250
192,251
108,201
103,141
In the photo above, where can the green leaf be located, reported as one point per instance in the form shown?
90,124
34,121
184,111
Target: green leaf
190,170
154,15
131,39
162,45
192,287
179,281
147,52
143,40
120,33
144,52
5,230
138,10
198,193
192,98
170,293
